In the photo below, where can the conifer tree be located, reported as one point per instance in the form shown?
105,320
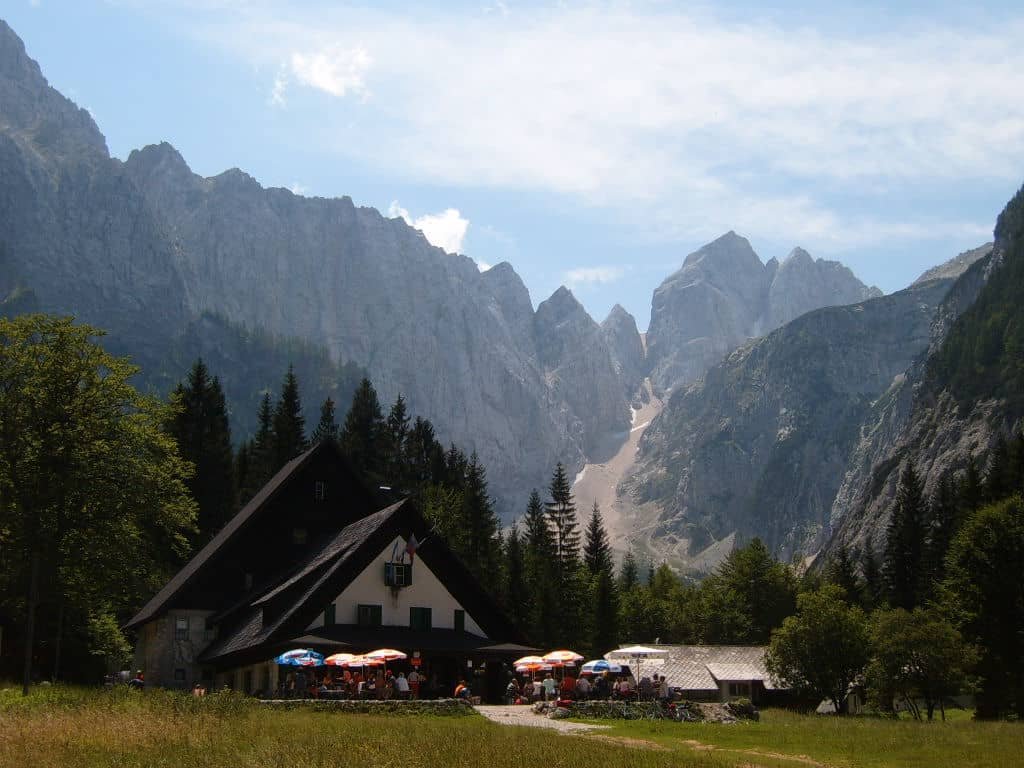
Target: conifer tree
327,427
361,437
260,464
604,624
515,591
396,435
629,573
874,586
597,552
842,571
480,523
597,560
972,491
905,542
561,512
200,427
943,523
540,573
998,483
1017,463
289,423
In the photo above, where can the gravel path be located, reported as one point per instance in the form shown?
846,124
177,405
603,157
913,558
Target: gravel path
523,715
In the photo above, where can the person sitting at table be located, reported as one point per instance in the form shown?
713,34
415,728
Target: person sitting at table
567,686
582,688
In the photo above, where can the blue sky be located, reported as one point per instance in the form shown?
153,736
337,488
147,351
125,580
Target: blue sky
591,144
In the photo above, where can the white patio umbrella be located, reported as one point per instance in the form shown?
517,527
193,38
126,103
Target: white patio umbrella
638,652
386,654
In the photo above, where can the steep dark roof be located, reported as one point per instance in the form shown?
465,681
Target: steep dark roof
345,542
279,616
265,495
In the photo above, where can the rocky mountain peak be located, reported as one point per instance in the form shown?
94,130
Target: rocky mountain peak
158,162
724,296
798,257
37,112
512,299
618,314
626,347
560,305
957,265
728,252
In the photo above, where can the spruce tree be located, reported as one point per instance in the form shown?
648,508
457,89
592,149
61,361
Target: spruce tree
602,618
424,456
361,437
260,464
998,482
874,586
539,559
561,512
905,542
480,524
200,427
629,573
289,423
1017,463
327,427
396,435
842,571
971,493
515,589
943,523
597,552
604,621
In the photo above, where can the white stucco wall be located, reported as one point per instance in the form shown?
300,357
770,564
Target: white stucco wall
427,591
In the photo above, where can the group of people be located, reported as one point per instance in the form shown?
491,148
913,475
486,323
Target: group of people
585,687
373,684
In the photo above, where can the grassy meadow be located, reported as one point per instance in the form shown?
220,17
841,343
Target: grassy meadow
75,727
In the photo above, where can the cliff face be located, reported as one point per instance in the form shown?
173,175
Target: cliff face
758,447
724,296
574,353
146,249
626,348
928,420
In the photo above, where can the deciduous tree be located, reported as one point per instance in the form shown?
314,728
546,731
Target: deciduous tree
823,649
93,500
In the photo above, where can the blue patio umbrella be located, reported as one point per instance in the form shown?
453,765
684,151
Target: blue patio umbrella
600,665
300,657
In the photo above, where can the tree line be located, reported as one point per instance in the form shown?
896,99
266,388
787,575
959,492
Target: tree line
104,492
938,611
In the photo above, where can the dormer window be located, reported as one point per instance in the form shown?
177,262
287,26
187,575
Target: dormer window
319,491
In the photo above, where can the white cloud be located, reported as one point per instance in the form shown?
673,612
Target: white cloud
587,275
298,189
446,229
677,117
334,70
277,93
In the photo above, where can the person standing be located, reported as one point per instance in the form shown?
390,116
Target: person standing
401,686
549,687
414,683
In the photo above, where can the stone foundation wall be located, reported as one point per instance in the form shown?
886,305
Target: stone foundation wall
450,707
